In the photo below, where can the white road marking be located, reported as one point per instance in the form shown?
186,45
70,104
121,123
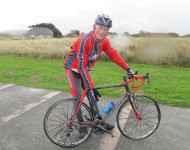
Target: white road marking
28,107
6,86
109,143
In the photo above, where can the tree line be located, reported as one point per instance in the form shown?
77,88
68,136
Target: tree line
73,33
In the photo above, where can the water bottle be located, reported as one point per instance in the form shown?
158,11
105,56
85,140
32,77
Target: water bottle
108,107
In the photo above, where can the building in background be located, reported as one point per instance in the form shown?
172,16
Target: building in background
40,32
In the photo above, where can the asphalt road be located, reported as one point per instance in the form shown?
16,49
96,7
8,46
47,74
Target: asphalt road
21,124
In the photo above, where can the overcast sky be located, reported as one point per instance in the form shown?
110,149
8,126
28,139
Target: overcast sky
127,15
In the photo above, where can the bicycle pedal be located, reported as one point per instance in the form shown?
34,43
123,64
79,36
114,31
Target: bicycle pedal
102,128
109,132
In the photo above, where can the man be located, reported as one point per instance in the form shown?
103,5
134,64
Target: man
84,54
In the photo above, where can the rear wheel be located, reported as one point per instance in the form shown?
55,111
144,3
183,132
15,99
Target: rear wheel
134,128
61,130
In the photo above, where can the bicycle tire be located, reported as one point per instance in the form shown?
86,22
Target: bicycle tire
58,127
136,129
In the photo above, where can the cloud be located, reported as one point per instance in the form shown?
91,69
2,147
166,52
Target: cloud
127,15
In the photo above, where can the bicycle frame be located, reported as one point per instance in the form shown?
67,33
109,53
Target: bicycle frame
64,127
123,84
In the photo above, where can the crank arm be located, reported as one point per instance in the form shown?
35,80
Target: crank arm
102,128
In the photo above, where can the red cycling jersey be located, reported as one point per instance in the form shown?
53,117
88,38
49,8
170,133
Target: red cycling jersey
84,54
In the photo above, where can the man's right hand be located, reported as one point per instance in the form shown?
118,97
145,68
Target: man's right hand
130,73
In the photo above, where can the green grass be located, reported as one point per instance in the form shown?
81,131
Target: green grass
169,85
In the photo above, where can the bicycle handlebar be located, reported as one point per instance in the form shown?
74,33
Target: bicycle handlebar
137,77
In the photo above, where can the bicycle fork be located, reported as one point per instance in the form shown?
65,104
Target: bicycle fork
138,115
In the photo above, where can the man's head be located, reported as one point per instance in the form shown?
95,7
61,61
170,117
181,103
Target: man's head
102,25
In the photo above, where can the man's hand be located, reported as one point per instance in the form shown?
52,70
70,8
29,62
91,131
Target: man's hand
95,93
130,73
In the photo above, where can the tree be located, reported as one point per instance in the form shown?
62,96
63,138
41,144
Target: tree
173,34
113,33
56,32
75,32
126,34
187,35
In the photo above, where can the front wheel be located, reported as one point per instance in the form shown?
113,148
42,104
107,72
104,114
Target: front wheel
61,130
132,127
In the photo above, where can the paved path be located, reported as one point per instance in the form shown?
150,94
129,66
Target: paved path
21,124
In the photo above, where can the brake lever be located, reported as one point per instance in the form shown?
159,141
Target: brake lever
136,72
148,76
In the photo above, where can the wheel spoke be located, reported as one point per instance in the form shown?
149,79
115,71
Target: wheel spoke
55,121
128,122
63,111
133,128
149,113
57,117
149,121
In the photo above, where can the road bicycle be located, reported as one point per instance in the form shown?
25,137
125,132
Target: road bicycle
137,118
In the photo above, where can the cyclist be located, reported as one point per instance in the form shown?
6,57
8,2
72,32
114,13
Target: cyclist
83,55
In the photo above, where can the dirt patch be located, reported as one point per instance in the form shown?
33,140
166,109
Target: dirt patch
33,79
140,92
60,79
11,74
122,91
102,78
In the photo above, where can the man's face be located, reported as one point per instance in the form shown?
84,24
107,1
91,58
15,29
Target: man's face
100,31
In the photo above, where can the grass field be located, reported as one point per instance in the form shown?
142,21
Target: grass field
169,85
159,51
